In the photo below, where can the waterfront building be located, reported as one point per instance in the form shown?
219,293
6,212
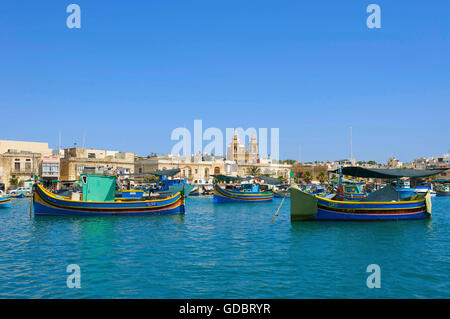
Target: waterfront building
78,160
197,168
50,170
7,146
314,169
16,161
394,163
18,166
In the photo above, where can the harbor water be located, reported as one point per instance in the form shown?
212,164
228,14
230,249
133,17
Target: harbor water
222,251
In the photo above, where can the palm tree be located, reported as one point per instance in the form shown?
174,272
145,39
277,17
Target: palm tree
322,177
15,182
254,171
307,177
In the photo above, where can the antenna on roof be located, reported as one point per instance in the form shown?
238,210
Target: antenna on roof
351,143
84,139
59,141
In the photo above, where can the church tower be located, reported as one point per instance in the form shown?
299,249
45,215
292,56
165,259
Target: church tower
253,151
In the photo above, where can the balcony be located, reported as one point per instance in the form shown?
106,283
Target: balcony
22,171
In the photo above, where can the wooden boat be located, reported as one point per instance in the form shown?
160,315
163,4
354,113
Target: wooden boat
308,207
281,193
443,190
240,195
384,204
354,192
5,201
195,192
98,199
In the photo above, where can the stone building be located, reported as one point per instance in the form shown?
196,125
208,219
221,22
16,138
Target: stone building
16,160
300,169
199,168
237,152
196,169
79,160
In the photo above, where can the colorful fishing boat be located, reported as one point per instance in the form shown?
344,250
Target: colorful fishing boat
281,193
98,199
354,192
442,190
195,192
246,192
308,207
5,200
384,204
241,194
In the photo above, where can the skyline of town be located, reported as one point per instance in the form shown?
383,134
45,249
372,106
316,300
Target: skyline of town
246,145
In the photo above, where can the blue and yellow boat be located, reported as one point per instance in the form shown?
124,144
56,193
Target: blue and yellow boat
195,192
442,190
242,194
5,201
354,192
384,204
281,193
308,207
98,199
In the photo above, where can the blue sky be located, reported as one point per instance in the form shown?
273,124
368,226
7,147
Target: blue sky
136,70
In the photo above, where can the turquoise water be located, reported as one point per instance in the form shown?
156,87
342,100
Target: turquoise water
222,251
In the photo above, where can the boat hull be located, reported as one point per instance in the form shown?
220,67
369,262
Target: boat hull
195,192
441,193
5,202
222,195
308,207
281,194
46,203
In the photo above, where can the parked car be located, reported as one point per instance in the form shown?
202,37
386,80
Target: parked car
20,190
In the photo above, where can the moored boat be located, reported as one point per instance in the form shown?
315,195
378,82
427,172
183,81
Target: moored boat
442,190
308,207
240,195
281,193
5,200
249,191
195,192
98,199
384,204
354,192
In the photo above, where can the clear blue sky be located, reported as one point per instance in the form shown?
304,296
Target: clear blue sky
138,69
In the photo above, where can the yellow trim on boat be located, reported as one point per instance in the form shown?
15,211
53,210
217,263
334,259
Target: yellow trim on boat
50,194
359,203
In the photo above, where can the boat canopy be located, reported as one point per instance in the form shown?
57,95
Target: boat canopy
388,173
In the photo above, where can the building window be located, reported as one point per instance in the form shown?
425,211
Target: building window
91,155
17,166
